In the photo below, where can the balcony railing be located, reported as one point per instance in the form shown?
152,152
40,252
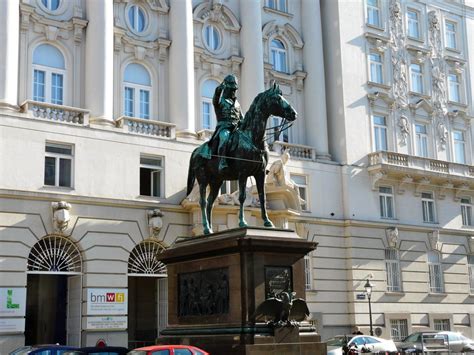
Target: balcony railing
297,151
147,127
56,113
419,163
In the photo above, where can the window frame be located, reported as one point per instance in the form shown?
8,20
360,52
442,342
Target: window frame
278,5
451,34
160,169
131,26
417,78
378,9
435,273
205,38
48,5
384,203
308,272
137,104
58,157
439,324
418,23
379,68
376,127
461,144
397,324
208,101
457,84
422,140
48,82
393,270
426,202
277,53
305,207
466,212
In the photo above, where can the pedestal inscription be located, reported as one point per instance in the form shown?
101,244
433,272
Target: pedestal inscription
203,292
277,280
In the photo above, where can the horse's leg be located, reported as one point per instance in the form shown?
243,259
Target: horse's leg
202,203
242,196
214,191
260,180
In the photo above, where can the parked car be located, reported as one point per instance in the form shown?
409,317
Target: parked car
436,341
359,344
51,349
99,350
168,350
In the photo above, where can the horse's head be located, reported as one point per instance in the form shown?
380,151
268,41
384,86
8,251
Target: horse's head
277,104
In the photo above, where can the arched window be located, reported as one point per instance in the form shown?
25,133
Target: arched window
278,56
208,117
51,5
48,74
55,253
136,18
212,37
136,91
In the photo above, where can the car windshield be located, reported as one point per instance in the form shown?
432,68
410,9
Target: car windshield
412,338
338,341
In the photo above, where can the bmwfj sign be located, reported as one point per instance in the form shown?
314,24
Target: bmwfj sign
102,301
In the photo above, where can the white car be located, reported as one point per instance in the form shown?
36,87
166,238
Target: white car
359,343
457,342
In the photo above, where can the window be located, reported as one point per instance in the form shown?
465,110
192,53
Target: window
275,134
470,263
373,13
48,74
380,133
413,27
229,186
441,325
459,144
308,272
435,272
392,265
279,5
51,5
450,34
278,56
421,139
398,329
466,212
58,165
376,68
136,91
301,185
386,202
454,88
208,116
151,176
416,75
427,203
212,37
136,18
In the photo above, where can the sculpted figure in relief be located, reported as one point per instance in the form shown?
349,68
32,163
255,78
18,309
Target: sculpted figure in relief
404,129
399,55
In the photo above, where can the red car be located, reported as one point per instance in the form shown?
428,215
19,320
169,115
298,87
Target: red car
168,350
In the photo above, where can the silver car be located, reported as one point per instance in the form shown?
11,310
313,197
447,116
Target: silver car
420,342
358,344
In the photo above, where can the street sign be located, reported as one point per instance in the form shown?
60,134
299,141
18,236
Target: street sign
360,296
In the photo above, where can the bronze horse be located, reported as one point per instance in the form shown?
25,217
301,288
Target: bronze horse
247,156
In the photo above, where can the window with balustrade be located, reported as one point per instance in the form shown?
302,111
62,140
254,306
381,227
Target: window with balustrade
49,72
435,271
137,91
374,13
208,116
413,23
151,176
376,68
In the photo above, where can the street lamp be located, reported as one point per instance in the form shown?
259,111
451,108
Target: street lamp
368,290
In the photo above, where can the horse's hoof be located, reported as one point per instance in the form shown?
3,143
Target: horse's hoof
208,231
269,224
243,224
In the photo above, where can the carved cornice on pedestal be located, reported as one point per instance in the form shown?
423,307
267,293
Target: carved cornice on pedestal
376,177
422,103
377,42
380,95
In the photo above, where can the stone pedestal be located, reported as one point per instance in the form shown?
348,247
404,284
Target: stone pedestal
216,282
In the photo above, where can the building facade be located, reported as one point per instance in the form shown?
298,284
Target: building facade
102,103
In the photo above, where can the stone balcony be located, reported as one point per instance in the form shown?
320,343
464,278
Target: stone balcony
418,171
297,151
56,113
146,127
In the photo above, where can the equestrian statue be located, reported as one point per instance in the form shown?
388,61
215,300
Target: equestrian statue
237,149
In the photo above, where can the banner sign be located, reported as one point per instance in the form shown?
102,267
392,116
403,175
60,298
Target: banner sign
107,301
12,301
106,323
12,325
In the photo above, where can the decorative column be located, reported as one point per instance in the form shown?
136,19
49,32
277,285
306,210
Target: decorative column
314,84
181,66
251,43
10,40
99,61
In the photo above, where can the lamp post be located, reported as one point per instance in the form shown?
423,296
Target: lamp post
368,290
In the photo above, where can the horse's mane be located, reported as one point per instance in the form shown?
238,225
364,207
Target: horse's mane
246,122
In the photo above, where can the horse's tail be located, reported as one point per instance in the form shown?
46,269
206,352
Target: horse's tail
191,175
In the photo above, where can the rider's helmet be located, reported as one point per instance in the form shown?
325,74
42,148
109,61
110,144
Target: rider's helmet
231,82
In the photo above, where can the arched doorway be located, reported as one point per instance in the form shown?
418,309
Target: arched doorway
53,301
147,294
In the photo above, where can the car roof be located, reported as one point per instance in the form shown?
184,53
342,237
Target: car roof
161,347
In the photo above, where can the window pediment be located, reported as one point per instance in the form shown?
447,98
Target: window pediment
422,104
286,32
216,13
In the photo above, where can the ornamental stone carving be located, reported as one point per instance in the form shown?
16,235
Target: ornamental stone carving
399,55
404,129
61,216
392,236
155,222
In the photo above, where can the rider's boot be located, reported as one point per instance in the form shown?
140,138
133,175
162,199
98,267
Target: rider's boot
222,160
